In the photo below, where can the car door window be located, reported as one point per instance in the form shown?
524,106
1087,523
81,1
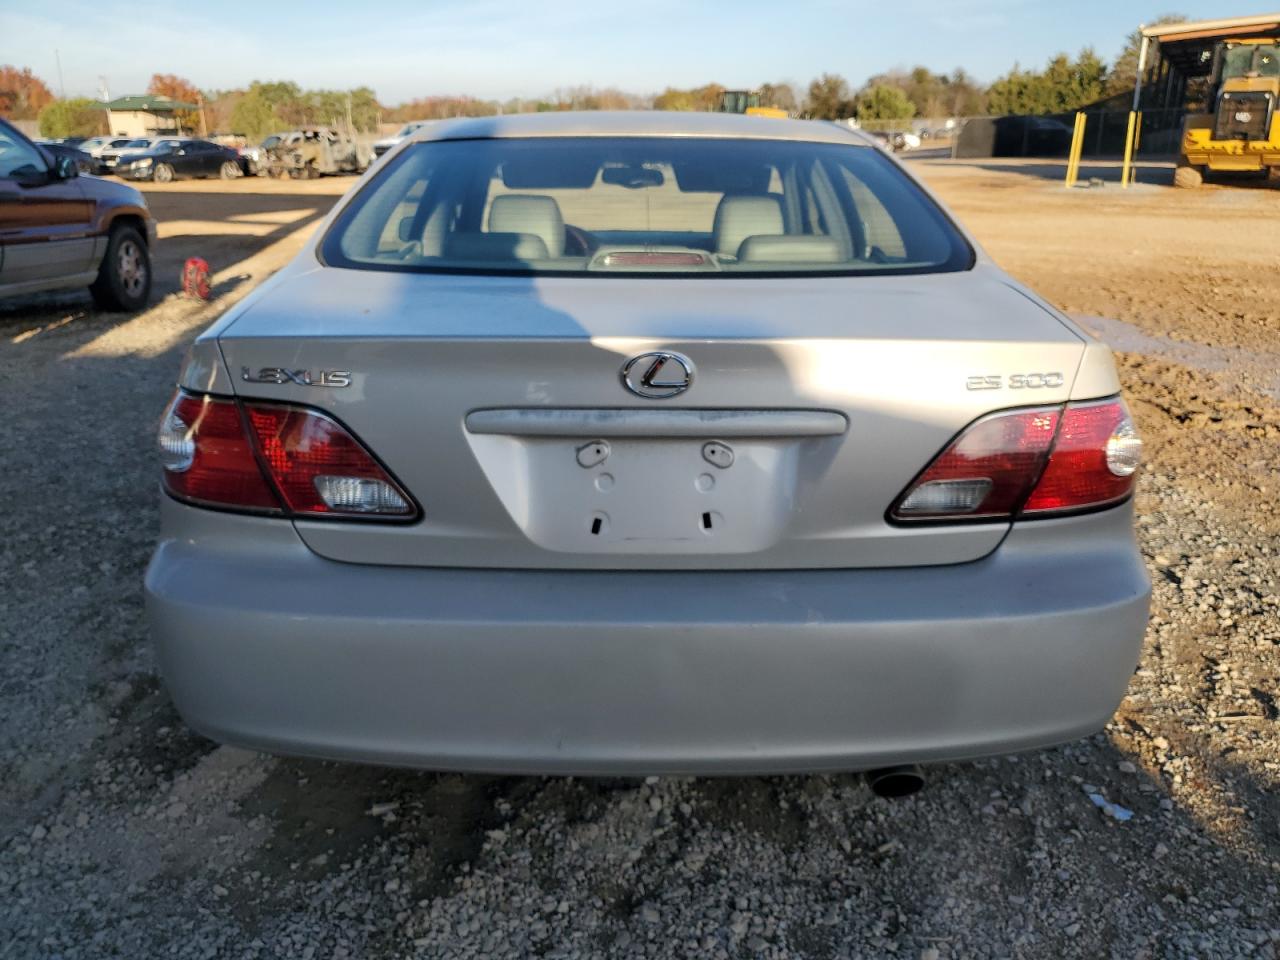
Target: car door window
18,159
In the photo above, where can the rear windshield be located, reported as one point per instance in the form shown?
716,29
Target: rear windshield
600,206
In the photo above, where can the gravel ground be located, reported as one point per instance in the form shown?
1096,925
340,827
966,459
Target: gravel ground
122,834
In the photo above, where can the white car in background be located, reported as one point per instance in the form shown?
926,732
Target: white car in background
386,143
906,140
109,156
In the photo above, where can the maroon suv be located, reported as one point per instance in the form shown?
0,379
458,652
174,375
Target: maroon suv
60,230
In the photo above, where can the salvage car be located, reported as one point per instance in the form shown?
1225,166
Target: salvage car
637,443
59,230
170,159
315,152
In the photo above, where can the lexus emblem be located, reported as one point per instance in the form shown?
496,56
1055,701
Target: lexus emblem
658,376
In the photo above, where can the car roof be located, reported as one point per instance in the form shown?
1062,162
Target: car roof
639,123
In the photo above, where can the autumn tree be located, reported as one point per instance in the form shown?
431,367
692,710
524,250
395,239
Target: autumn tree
829,98
182,90
673,99
442,108
706,97
22,94
780,95
253,116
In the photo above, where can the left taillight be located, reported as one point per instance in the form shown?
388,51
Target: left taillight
273,458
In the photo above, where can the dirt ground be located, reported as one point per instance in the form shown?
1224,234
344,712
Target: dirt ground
122,834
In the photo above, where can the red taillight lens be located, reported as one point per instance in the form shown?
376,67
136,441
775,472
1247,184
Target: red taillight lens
208,458
986,472
319,468
1093,460
1037,462
273,458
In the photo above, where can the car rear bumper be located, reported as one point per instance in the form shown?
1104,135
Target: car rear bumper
267,645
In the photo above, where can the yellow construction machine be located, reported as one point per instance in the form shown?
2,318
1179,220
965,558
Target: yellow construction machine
1242,133
748,102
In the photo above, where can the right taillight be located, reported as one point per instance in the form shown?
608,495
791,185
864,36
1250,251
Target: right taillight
273,458
1093,460
1035,462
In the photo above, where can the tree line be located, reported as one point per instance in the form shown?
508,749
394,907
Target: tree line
1065,83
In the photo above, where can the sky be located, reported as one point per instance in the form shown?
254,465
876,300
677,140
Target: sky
496,49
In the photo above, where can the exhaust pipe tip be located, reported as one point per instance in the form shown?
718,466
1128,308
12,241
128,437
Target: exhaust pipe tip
894,782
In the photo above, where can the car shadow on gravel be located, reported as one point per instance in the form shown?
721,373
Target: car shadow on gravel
1017,852
1154,173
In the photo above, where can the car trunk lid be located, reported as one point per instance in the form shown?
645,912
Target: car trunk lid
500,404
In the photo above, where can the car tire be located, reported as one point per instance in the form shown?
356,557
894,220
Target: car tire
163,173
1187,177
229,170
124,276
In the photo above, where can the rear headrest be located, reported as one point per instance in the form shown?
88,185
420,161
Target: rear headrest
494,246
529,213
796,249
740,217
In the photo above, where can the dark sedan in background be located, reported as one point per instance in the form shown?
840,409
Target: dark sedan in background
171,159
85,164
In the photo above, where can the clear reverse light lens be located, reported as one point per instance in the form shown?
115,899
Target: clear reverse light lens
177,446
1124,449
946,497
359,495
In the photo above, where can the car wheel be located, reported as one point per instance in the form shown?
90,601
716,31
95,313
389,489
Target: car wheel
164,173
124,277
230,170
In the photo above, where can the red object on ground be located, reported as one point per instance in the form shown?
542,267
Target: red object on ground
195,279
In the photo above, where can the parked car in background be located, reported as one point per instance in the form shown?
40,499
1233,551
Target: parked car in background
94,144
255,158
159,145
314,152
386,143
60,148
60,230
249,154
906,140
172,159
505,472
110,156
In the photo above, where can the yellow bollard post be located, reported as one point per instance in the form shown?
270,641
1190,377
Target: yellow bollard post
1128,150
1073,157
1083,118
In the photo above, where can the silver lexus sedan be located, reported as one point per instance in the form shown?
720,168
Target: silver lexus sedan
638,443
